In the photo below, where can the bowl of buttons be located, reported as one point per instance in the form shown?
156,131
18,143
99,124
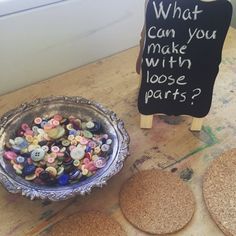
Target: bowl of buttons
59,147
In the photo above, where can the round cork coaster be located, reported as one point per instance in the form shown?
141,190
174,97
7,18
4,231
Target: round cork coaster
157,202
219,191
87,224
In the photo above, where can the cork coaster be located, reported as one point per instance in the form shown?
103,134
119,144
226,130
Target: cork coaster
87,224
157,202
219,190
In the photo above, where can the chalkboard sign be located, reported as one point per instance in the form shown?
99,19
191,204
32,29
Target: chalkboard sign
181,55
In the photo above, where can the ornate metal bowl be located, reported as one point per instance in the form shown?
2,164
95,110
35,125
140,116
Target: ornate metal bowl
67,106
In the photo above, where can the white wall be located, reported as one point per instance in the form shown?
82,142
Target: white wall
43,42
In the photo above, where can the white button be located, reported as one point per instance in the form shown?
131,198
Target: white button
37,154
77,153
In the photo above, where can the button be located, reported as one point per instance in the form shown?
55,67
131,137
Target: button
77,153
51,170
84,171
63,149
63,180
43,123
56,133
92,144
18,141
44,175
60,154
11,141
68,161
28,169
100,162
35,141
60,170
95,157
38,154
105,136
17,167
86,160
50,160
41,131
75,174
45,148
71,137
76,163
73,142
83,141
65,143
78,138
35,129
87,155
57,117
72,132
69,127
38,171
18,171
90,125
47,126
103,140
30,177
29,138
82,146
38,120
55,122
24,126
87,134
29,132
55,149
9,155
105,147
20,160
16,149
90,166
97,150
96,128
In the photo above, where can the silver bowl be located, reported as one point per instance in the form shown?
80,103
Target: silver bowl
67,106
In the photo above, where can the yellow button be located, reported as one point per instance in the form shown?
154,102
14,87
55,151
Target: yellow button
29,138
51,170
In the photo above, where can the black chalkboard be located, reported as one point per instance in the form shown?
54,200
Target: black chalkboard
181,55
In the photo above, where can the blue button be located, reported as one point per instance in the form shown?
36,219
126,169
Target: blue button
20,160
74,174
28,169
63,180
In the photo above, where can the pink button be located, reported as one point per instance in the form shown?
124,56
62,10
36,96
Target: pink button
55,149
38,120
60,154
55,122
25,126
9,155
86,161
29,132
50,160
83,141
57,117
90,166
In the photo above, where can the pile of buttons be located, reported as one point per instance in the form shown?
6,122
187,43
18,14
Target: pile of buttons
58,150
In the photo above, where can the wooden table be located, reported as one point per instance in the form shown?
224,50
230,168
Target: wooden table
169,145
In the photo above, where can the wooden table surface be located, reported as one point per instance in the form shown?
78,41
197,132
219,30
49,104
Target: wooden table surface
170,145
